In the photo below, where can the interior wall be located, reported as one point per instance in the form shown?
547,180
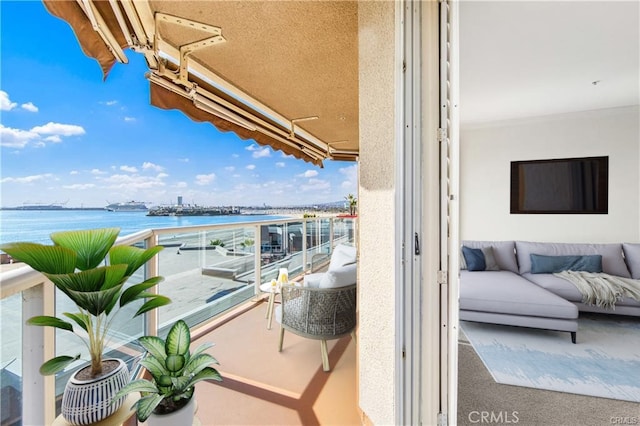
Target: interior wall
376,213
488,149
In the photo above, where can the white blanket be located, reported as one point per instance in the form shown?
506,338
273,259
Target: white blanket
600,289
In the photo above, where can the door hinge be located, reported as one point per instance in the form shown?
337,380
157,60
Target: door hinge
442,277
442,419
442,134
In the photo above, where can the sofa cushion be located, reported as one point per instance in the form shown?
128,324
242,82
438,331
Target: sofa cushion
503,251
342,255
481,259
632,259
541,264
508,293
339,277
612,260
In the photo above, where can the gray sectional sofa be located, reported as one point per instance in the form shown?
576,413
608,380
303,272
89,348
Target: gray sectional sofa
509,292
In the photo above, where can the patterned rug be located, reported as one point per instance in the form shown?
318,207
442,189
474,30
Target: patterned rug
605,362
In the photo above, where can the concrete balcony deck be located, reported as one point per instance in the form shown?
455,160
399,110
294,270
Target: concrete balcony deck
262,386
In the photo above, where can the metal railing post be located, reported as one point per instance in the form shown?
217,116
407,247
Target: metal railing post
304,244
258,259
38,345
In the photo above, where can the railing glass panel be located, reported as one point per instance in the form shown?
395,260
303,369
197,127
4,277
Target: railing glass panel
11,359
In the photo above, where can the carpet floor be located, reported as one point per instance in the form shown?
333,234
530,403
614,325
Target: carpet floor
605,362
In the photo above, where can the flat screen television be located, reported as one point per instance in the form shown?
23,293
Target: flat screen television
560,186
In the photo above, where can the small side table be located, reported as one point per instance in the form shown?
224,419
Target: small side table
273,291
122,417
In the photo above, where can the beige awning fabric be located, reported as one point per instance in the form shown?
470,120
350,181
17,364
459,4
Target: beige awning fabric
167,99
90,41
283,73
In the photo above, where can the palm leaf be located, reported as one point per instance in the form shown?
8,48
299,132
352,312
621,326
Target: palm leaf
57,364
155,302
178,339
134,257
133,292
95,302
91,245
81,319
47,321
42,258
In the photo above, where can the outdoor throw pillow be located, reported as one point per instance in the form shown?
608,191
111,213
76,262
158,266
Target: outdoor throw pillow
482,259
541,264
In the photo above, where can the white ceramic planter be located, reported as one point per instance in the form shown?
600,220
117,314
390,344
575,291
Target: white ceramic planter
85,402
182,417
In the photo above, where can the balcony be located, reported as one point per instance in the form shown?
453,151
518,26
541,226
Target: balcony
212,274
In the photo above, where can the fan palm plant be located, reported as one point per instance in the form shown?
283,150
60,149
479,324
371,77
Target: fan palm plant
73,265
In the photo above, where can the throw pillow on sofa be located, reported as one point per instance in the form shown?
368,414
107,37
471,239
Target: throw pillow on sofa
541,264
479,259
632,259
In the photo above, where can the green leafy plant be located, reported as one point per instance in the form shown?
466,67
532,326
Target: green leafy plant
73,265
353,202
173,370
247,243
217,242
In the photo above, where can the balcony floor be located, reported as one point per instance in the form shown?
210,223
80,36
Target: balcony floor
262,386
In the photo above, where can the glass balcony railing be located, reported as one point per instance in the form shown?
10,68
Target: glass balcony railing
207,270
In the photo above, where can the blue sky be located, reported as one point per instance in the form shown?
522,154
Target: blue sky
68,136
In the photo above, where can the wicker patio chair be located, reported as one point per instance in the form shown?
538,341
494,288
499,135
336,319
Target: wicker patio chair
317,313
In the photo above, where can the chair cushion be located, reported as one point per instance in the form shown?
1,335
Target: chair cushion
342,255
632,259
339,277
313,280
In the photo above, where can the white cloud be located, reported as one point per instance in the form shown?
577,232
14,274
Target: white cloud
235,155
309,174
251,167
262,153
132,182
351,178
5,103
54,139
59,129
79,186
280,164
183,160
27,179
109,103
205,179
129,169
251,147
181,185
315,185
147,165
15,138
98,172
29,106
74,172
229,169
129,119
161,175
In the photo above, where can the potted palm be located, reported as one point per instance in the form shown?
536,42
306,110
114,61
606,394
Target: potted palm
75,263
167,393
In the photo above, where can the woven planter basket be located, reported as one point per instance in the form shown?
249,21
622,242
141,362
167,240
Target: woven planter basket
85,402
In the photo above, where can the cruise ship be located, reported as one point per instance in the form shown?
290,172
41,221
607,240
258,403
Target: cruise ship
128,206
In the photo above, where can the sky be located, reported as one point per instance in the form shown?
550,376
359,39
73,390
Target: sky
67,136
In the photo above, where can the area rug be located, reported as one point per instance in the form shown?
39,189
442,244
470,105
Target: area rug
605,362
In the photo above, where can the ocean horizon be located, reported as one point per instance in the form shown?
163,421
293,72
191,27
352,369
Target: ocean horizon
36,225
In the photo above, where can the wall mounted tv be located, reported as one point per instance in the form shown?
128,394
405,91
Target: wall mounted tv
560,186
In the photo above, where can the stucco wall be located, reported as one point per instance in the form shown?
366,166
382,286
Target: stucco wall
376,212
486,153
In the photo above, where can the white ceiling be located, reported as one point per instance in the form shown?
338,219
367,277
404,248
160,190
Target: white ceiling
533,58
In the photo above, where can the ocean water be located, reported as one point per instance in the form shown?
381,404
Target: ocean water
36,225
